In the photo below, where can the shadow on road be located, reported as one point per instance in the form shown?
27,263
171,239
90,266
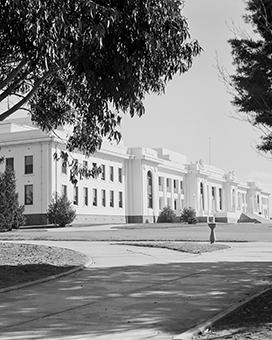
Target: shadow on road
125,302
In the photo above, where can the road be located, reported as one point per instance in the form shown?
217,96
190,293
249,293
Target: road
135,293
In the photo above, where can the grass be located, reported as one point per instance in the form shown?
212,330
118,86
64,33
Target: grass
21,263
252,321
188,247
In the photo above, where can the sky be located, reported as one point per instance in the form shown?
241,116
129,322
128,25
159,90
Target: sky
196,105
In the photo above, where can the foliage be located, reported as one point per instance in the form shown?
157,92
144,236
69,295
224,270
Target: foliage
188,215
83,63
166,215
252,82
11,213
60,211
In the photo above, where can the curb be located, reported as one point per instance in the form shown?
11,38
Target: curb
45,279
200,328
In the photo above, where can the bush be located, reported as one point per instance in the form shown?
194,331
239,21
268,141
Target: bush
167,215
60,211
188,215
11,213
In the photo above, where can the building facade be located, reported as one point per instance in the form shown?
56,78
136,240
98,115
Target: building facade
134,186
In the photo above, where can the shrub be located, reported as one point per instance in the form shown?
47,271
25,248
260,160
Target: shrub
188,215
60,211
166,215
11,215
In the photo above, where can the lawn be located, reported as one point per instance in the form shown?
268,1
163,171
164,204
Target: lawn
21,263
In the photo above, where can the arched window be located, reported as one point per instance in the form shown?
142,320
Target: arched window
149,190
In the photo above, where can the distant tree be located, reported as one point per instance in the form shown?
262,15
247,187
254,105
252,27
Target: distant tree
188,215
60,211
11,213
166,215
252,82
85,62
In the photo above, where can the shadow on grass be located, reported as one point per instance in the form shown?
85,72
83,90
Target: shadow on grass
13,275
130,302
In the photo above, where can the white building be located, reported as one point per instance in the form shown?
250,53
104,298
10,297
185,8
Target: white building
136,183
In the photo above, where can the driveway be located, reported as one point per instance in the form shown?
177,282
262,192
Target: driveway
135,293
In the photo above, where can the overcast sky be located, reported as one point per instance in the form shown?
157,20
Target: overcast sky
196,105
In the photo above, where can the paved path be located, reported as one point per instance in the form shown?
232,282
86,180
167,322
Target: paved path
135,293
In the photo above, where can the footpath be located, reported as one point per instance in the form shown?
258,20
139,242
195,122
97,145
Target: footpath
135,293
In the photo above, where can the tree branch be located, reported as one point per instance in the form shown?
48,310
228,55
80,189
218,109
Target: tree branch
10,88
35,88
13,74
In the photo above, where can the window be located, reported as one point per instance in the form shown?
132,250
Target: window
103,172
168,184
29,194
169,202
181,185
202,195
75,201
160,203
64,190
213,193
85,196
28,165
64,167
103,197
120,199
95,197
120,175
111,198
220,199
160,183
175,204
111,173
175,185
10,163
149,190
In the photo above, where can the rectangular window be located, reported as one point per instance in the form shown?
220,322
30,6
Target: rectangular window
213,192
220,199
120,199
86,196
175,185
29,194
75,201
175,204
181,185
111,173
120,175
28,165
169,202
103,197
103,172
64,190
160,183
160,203
10,163
168,184
95,197
111,198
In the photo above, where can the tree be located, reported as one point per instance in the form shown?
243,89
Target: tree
85,62
252,82
11,213
60,211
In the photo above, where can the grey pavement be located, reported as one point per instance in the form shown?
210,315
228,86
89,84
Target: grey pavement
135,293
